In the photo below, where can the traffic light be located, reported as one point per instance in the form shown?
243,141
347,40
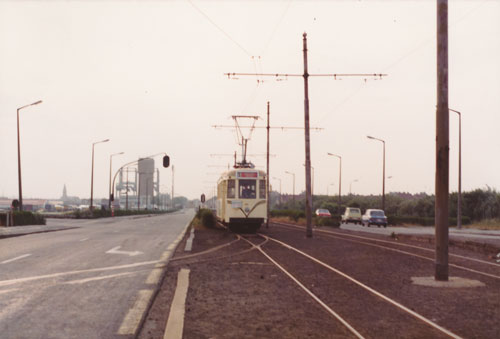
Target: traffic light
203,198
166,161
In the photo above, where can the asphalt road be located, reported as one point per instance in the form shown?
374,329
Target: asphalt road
481,236
89,282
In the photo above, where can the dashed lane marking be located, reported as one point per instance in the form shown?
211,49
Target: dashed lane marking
175,322
55,275
84,239
14,259
134,315
83,281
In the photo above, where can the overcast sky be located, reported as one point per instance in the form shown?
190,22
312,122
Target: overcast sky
149,76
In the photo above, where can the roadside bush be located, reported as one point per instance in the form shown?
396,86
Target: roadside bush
333,221
206,217
22,218
294,215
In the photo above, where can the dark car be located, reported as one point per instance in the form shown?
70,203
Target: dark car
374,217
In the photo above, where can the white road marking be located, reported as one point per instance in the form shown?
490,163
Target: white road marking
135,314
83,281
84,239
55,275
166,255
189,242
16,258
9,290
115,250
154,276
175,322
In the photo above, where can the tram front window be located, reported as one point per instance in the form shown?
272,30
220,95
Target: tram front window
231,190
247,189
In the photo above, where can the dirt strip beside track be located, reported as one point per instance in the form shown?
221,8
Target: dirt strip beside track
237,293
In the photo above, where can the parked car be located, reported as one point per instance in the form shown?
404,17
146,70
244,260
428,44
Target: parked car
321,212
351,214
374,217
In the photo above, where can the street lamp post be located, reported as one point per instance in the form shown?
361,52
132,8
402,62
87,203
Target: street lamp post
148,180
92,175
340,176
459,202
293,197
383,172
19,155
327,193
350,186
110,193
280,187
137,186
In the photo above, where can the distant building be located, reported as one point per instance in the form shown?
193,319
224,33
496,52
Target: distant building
68,200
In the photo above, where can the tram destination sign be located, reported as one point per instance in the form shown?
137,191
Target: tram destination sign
253,174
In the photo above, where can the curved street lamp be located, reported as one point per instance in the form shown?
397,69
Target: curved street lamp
459,201
19,155
111,196
293,174
92,175
340,176
383,172
350,185
280,187
165,164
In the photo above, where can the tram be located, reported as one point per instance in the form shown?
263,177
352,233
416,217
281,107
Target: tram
242,199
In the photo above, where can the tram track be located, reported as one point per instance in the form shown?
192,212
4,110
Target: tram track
388,246
277,283
373,296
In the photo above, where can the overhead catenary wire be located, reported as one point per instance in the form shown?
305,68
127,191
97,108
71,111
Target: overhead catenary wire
420,45
220,28
273,32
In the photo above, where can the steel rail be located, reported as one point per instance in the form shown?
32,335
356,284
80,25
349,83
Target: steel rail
319,301
369,289
397,244
414,255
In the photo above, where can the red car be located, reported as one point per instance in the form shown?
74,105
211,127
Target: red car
321,212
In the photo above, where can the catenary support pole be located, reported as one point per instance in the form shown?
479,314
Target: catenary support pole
307,143
442,145
267,175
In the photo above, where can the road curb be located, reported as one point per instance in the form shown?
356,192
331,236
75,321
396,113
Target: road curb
158,285
2,236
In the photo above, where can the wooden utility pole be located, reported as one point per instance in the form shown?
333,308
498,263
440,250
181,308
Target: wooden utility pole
307,142
442,144
306,76
267,175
